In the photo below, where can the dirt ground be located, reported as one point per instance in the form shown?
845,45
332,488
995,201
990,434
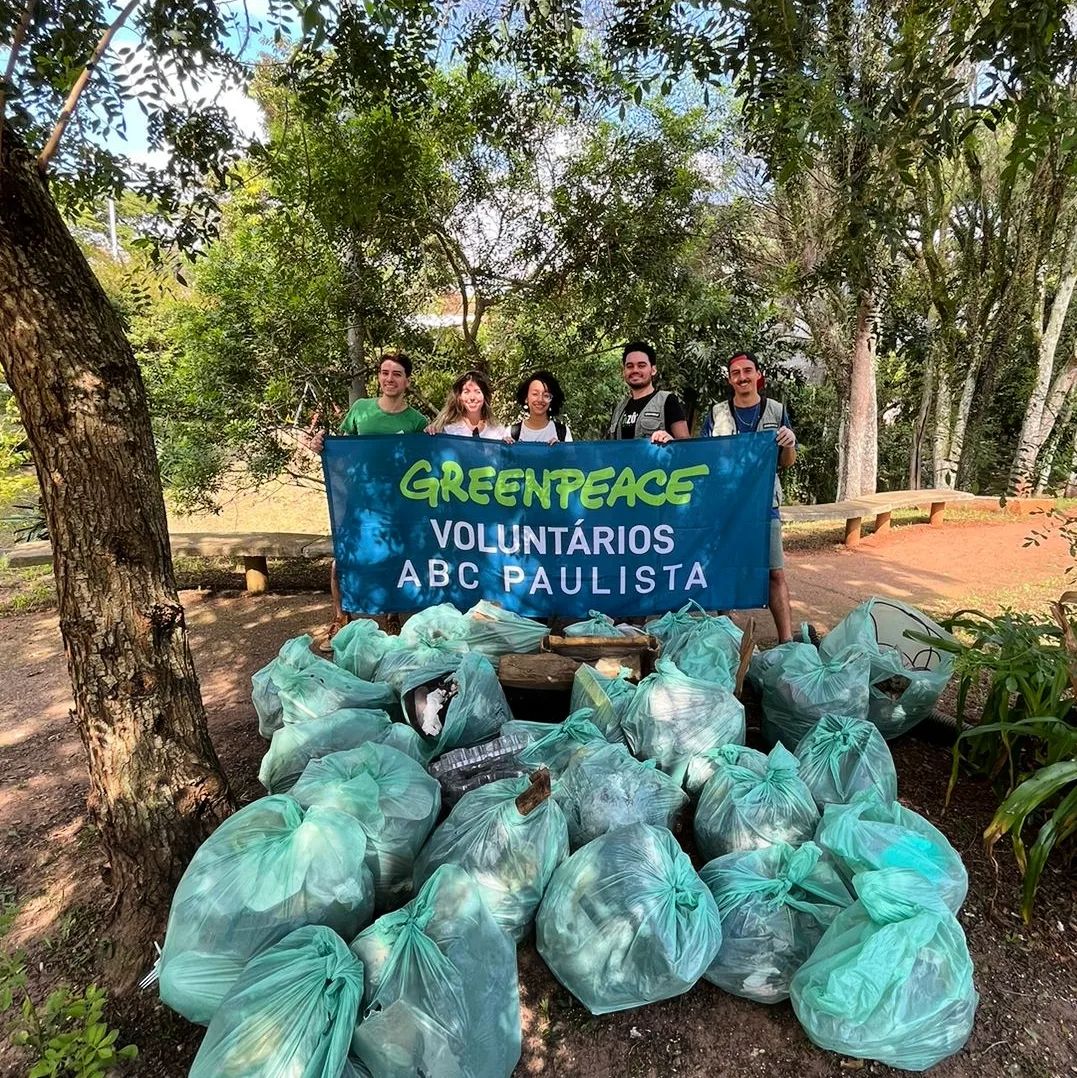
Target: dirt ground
1027,976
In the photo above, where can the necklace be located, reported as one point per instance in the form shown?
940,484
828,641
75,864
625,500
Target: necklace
747,424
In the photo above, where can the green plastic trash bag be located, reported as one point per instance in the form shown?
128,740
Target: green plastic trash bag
606,787
869,834
441,626
495,631
294,655
742,810
294,746
560,743
674,717
358,647
267,870
709,649
441,996
290,1014
395,801
626,921
705,765
907,676
402,659
775,904
595,624
799,687
509,855
608,697
891,978
322,688
674,622
840,758
459,702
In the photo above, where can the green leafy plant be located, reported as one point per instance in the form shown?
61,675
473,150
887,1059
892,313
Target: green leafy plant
1026,739
67,1035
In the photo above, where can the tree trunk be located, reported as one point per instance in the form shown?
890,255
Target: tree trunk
356,327
861,433
156,786
919,431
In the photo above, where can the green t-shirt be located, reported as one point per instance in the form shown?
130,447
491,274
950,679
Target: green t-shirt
365,417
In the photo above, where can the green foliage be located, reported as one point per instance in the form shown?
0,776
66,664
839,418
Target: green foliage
66,1036
1026,737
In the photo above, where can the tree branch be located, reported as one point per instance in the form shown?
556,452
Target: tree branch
13,56
68,110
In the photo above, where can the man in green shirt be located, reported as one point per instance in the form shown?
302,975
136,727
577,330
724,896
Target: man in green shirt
388,413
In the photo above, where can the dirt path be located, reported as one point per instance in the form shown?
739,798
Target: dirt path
50,859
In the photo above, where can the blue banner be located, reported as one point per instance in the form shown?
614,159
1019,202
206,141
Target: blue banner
628,528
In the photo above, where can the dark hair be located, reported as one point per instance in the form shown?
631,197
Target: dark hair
639,346
402,358
750,356
478,378
553,387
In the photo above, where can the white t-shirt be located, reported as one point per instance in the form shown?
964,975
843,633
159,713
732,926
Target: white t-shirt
547,434
464,429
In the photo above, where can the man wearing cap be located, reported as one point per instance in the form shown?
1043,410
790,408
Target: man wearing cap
749,410
646,412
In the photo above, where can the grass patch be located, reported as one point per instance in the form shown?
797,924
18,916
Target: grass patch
26,591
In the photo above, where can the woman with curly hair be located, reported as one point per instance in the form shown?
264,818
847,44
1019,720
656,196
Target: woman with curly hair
467,411
540,394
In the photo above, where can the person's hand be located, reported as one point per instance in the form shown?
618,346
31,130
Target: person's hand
786,438
315,441
430,428
509,440
553,441
663,437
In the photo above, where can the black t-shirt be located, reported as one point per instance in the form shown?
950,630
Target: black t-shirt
674,413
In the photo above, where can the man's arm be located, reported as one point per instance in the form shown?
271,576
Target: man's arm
676,423
787,443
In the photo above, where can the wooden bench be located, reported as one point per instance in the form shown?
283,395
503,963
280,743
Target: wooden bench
250,549
880,506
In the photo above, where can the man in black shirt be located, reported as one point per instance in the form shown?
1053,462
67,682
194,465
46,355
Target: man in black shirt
646,412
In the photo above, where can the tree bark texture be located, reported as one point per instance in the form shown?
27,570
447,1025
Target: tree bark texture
861,432
156,786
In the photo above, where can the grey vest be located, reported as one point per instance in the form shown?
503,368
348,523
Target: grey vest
652,418
724,422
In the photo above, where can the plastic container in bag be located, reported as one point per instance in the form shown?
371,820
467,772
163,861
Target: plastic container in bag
606,787
674,717
841,758
775,904
798,687
494,631
869,834
391,796
441,996
742,810
510,836
291,1012
461,770
608,697
455,704
626,921
891,978
907,676
267,870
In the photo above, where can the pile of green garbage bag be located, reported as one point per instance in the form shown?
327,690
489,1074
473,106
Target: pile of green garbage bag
268,869
608,697
775,904
605,787
798,687
495,631
394,800
455,703
292,747
626,921
869,834
674,717
291,1012
295,654
841,758
358,647
441,995
907,676
510,856
891,979
740,809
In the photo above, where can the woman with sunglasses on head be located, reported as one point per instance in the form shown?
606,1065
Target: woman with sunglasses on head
540,393
467,411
